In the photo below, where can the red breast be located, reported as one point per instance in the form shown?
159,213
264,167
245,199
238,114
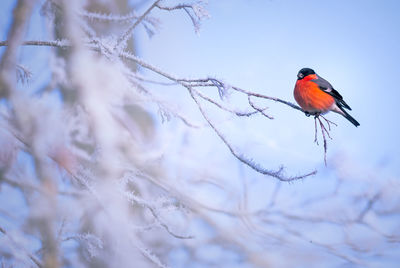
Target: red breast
310,97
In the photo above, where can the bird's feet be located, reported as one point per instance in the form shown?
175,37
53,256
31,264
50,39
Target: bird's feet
315,114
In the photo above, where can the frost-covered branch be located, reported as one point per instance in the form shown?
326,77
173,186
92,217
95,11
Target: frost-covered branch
201,82
121,41
187,83
21,248
55,43
195,11
15,36
222,107
324,130
255,166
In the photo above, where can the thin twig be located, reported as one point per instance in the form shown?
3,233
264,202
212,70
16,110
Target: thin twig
323,131
196,17
21,14
54,43
368,207
122,39
261,111
107,17
31,256
247,114
316,131
180,6
329,122
250,93
139,201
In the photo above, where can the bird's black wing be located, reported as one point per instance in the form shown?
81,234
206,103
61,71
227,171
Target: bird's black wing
326,87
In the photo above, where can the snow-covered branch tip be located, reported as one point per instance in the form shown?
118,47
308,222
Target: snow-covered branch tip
121,42
325,132
195,11
8,62
16,243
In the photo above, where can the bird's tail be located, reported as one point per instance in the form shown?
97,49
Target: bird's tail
349,117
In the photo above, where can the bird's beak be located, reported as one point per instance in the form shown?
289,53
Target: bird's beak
299,75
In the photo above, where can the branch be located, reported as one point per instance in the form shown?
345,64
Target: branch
30,255
55,43
180,6
368,207
198,13
131,197
324,131
107,17
258,109
122,40
276,174
238,113
261,96
21,15
187,84
201,82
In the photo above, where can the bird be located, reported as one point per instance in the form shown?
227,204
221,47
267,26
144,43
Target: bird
316,96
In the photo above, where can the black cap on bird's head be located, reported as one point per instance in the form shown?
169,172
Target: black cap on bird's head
304,72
